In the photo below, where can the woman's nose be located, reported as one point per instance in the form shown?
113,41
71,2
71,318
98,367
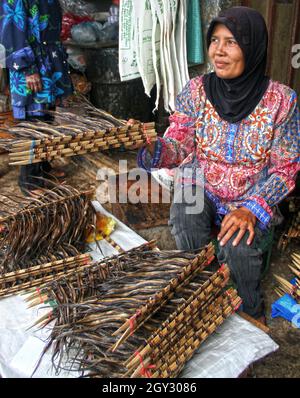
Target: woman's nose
220,47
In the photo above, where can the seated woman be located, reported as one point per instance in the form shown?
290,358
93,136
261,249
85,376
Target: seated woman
242,130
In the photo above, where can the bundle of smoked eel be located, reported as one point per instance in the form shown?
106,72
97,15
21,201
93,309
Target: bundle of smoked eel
142,313
73,133
44,237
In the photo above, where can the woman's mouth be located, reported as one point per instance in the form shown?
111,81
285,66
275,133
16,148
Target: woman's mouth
220,65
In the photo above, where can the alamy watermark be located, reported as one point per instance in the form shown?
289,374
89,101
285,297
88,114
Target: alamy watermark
134,186
2,56
296,57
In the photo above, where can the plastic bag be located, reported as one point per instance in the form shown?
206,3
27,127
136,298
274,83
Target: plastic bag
86,32
114,14
76,59
98,27
90,32
68,21
110,32
79,7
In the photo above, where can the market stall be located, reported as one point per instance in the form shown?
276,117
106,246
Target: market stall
237,344
63,255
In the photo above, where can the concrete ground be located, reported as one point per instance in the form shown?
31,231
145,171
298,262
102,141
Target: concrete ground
283,363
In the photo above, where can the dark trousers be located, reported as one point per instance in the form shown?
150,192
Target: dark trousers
193,231
32,176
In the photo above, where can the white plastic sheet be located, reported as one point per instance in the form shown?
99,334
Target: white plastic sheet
20,348
230,350
125,237
227,353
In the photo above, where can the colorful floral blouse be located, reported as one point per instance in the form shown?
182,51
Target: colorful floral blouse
252,163
30,32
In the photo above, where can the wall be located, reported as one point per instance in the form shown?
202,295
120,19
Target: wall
209,10
283,20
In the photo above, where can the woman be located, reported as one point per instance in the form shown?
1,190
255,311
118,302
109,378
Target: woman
38,70
241,129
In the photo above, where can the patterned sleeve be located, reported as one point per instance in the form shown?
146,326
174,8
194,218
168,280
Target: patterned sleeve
178,141
15,36
284,166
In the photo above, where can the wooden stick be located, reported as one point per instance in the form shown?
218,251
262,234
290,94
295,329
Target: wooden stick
15,161
11,276
186,344
158,351
92,134
259,325
213,284
160,299
176,363
39,207
24,286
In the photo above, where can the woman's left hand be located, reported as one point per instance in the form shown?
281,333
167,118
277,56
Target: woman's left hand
34,83
241,220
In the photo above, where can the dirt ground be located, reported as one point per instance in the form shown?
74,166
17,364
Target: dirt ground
283,363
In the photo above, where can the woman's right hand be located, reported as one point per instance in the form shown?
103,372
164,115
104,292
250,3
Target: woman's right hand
34,83
150,146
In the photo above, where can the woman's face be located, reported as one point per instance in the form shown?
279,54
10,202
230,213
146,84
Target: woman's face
225,54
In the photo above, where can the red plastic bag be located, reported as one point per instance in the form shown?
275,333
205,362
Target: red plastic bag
70,20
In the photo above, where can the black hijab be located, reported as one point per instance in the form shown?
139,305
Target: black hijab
234,99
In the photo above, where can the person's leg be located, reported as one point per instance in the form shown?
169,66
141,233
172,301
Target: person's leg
30,177
191,231
49,172
45,166
245,263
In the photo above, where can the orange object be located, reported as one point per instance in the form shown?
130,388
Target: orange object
104,227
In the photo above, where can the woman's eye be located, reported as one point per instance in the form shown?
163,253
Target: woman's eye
232,42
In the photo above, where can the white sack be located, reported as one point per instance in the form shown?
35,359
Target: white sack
128,67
